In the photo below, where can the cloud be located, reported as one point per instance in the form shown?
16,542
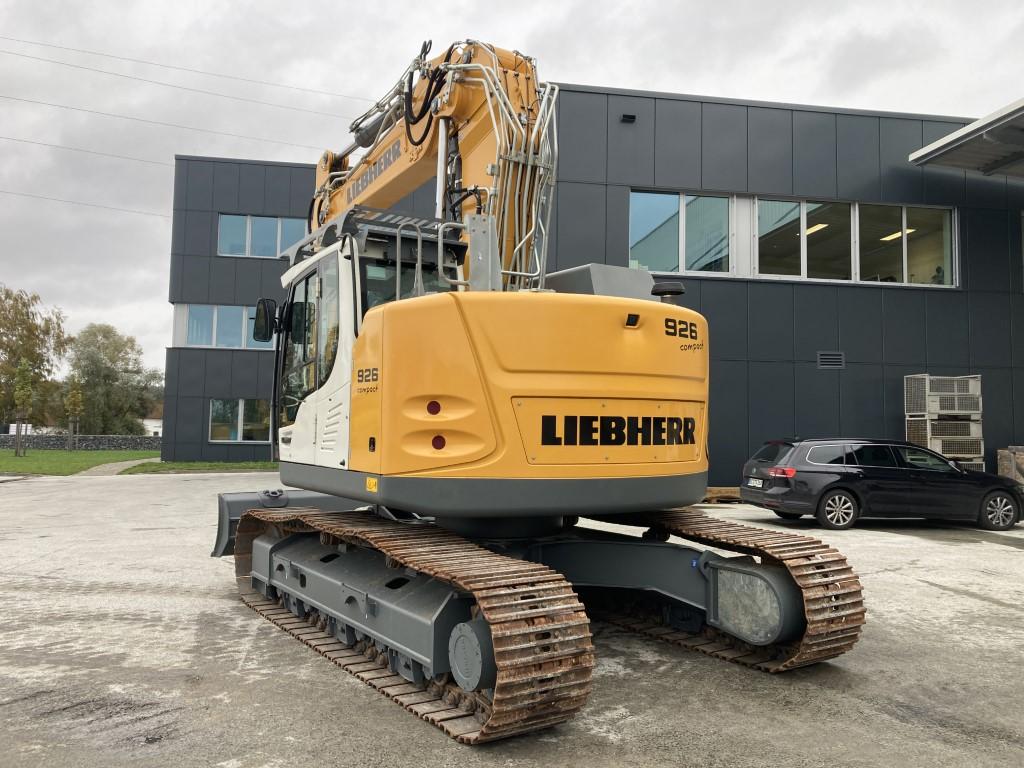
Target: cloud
108,266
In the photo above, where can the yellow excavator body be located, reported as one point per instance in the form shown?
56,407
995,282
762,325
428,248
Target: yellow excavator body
530,385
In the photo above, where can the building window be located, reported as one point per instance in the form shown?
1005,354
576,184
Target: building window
230,327
292,230
828,239
906,245
778,237
656,232
808,238
706,233
224,327
880,230
250,326
929,238
200,326
232,235
257,236
239,421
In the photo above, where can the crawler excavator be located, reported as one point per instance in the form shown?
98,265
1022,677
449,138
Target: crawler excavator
446,412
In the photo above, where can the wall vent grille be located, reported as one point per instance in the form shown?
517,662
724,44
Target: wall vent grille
831,360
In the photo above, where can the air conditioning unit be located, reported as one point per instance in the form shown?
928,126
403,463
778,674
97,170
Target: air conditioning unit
977,466
961,405
926,394
943,414
958,447
924,431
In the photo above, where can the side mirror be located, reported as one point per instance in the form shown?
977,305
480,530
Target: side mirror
956,466
265,322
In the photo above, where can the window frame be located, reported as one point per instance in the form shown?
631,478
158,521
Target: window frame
906,464
240,418
744,245
246,340
313,273
892,453
248,235
731,200
844,449
755,254
855,276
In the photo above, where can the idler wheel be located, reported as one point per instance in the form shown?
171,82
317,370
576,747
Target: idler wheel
471,655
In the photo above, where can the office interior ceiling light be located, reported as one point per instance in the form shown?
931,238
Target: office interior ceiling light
815,228
896,235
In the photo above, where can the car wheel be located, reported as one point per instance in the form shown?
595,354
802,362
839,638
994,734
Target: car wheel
837,510
788,515
999,512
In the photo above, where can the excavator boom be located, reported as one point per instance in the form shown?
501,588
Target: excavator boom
478,121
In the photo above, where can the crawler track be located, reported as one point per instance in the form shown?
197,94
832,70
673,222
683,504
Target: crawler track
541,634
833,600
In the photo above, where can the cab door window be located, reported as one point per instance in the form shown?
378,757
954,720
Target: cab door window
299,374
330,317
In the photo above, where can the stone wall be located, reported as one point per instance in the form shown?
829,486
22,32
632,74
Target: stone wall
87,442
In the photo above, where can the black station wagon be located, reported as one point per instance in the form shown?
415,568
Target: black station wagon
840,480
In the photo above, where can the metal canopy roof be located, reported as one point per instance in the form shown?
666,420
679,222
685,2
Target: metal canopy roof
991,145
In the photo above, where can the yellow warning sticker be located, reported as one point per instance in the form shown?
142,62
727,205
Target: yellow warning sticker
371,484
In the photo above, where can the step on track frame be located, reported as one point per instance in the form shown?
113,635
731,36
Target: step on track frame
541,634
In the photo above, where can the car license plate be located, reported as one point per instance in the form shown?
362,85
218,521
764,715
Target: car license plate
755,482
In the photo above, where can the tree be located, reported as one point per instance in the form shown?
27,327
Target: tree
73,410
116,389
28,332
22,403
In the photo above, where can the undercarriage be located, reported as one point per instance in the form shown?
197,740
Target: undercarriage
488,635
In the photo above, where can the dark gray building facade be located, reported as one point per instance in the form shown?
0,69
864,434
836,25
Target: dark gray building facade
796,230
230,217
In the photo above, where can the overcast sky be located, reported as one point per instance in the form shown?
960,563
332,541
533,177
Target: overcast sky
99,265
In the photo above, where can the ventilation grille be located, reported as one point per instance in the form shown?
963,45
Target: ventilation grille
956,428
954,403
917,432
915,394
952,385
831,360
952,436
934,395
959,447
977,466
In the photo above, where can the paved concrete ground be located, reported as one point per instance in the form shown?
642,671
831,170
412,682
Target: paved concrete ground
123,644
115,467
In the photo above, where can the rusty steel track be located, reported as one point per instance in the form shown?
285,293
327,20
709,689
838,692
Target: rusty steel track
541,634
832,595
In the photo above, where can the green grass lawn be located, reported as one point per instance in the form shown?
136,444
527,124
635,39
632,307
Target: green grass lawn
161,467
39,462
